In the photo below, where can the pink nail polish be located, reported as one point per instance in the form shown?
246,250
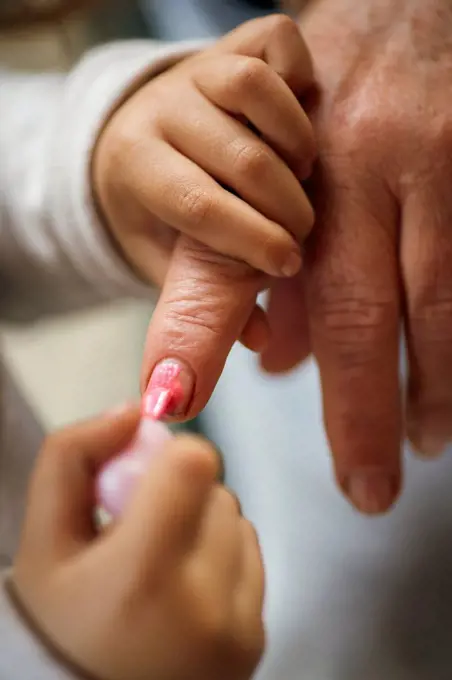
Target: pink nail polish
168,393
169,390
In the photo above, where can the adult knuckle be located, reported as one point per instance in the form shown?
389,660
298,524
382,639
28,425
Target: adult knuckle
354,321
357,424
196,205
437,134
357,133
354,136
189,310
202,318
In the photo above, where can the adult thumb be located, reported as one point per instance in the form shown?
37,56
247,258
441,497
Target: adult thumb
207,302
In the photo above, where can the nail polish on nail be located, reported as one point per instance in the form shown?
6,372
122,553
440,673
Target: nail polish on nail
156,402
292,265
371,492
169,390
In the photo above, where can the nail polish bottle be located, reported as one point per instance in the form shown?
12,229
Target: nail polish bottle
118,479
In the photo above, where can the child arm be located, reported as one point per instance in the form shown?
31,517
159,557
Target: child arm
55,254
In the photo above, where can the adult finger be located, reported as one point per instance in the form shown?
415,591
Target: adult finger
289,342
426,255
257,334
203,309
62,492
353,303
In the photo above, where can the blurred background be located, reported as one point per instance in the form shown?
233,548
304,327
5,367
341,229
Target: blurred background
76,366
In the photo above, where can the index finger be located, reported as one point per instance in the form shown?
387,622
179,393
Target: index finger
353,305
205,304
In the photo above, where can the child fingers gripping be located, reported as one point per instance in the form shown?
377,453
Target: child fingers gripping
198,176
174,590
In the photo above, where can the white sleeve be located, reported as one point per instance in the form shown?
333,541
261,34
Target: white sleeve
54,253
22,656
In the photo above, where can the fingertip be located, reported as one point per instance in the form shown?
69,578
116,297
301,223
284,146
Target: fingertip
274,364
425,445
256,334
428,429
195,458
372,491
280,359
281,257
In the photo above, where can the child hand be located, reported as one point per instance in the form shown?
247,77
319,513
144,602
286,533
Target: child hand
174,591
180,153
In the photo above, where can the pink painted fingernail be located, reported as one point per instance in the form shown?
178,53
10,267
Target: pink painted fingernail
169,391
372,492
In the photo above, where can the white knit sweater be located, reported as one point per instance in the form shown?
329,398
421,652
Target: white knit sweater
54,256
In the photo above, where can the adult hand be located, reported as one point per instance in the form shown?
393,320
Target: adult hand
381,251
254,138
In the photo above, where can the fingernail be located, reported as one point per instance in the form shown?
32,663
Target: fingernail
292,265
169,391
426,445
429,448
371,492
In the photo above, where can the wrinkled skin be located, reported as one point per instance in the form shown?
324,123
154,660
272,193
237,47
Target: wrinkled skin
381,251
378,256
